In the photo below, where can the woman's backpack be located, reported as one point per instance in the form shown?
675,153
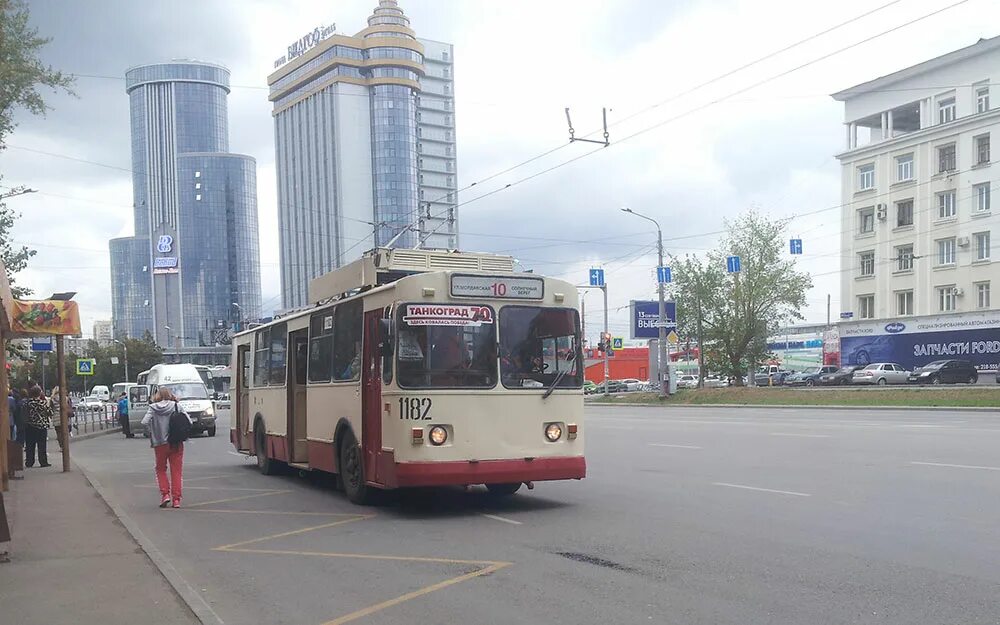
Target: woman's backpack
179,429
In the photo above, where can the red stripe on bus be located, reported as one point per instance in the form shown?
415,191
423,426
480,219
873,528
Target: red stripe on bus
278,447
488,471
321,456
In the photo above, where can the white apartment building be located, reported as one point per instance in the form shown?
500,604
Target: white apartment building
917,186
104,332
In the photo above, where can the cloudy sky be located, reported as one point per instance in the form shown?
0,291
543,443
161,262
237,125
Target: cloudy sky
755,139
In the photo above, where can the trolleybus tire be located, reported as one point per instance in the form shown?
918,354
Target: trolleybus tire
503,490
352,470
266,465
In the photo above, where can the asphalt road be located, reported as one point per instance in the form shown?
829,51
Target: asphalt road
689,515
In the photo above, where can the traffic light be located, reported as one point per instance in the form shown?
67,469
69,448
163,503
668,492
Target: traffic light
605,344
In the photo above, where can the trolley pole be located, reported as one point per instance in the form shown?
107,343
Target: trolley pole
604,289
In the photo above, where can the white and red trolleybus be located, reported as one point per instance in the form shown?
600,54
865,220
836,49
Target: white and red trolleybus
418,368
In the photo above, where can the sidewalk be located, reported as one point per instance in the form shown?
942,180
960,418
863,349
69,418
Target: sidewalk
72,561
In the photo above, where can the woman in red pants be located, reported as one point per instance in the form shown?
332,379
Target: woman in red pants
157,423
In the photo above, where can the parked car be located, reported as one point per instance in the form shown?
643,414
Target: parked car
631,384
946,372
713,381
809,377
687,381
614,386
770,375
90,403
840,377
881,373
589,387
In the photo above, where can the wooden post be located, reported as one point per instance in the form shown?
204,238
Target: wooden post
5,415
63,399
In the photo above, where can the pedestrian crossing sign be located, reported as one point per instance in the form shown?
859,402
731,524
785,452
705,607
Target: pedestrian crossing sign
85,366
617,342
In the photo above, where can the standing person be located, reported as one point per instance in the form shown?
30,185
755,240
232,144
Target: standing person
38,420
166,437
123,416
57,415
12,413
17,416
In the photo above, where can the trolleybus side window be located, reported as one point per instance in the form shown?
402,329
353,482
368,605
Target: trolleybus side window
321,346
279,341
446,346
260,365
537,344
347,329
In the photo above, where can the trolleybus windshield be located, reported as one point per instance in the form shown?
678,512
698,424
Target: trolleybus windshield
446,346
537,344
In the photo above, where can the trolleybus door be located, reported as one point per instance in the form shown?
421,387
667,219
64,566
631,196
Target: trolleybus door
297,397
243,397
371,398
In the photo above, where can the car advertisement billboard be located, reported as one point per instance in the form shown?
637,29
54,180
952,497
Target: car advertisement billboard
645,315
916,342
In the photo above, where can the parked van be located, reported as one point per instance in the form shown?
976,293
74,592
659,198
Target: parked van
101,392
186,382
119,388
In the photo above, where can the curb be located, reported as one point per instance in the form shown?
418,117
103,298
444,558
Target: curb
90,435
799,407
194,601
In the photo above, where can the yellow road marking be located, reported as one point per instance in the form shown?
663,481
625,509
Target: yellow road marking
241,498
357,556
359,517
426,590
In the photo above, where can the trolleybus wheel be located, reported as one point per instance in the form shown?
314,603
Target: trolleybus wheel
503,490
266,465
352,470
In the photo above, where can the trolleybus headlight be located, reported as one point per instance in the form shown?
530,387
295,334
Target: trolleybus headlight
438,435
553,432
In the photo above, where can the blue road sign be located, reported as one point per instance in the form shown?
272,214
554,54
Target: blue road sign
596,277
846,315
733,264
617,343
663,275
795,246
85,366
41,344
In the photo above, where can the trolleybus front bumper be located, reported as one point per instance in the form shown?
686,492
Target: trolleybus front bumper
488,471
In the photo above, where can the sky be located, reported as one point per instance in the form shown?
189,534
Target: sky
762,138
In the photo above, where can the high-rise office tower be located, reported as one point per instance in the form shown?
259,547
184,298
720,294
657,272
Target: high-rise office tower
365,146
193,266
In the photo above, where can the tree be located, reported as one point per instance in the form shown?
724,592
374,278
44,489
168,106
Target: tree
739,311
22,74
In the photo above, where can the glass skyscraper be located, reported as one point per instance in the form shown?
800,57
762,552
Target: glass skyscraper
353,117
193,266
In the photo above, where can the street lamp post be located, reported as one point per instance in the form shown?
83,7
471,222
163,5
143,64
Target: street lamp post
239,318
125,350
661,343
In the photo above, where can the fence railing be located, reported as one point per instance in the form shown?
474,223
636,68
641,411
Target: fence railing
88,419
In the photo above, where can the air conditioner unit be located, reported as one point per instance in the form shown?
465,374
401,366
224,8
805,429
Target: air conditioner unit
957,291
882,212
963,241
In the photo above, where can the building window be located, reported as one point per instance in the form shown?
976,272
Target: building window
447,87
946,252
982,149
421,194
946,204
866,177
197,197
904,213
982,99
982,245
197,185
420,147
866,262
420,163
866,307
946,110
421,179
447,72
866,220
982,192
982,295
904,303
904,168
444,56
197,174
946,298
904,258
946,158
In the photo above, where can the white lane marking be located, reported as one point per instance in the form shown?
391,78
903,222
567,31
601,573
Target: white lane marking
766,490
501,519
955,466
674,446
800,435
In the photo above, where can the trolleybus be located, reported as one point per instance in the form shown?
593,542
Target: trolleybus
418,368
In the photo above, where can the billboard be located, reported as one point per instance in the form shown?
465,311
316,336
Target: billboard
45,317
644,315
916,342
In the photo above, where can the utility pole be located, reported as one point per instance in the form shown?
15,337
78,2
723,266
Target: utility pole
124,349
701,342
63,399
661,343
827,311
607,333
